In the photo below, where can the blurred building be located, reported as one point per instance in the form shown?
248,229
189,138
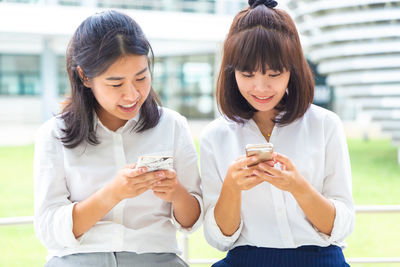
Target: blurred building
186,36
356,44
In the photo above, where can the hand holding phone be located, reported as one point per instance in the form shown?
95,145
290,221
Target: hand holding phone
155,163
263,151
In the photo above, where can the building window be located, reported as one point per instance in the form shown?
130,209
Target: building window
185,84
19,74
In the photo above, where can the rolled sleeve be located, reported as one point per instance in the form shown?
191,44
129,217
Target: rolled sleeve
53,210
344,222
196,225
186,165
212,185
337,184
214,235
63,226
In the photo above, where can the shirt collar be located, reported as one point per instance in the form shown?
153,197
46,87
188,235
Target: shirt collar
128,125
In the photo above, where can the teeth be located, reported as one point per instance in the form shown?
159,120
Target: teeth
129,106
263,98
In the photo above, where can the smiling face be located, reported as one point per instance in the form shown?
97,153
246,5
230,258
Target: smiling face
121,90
263,91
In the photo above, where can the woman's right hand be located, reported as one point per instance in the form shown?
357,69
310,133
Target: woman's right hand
240,177
131,182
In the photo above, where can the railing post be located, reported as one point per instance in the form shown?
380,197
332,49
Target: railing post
185,247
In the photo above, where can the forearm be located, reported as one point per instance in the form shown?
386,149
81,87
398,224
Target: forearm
319,210
227,210
88,212
186,209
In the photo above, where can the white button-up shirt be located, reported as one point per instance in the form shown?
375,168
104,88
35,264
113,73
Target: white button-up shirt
63,177
270,217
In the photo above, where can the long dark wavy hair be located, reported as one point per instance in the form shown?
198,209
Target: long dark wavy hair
97,43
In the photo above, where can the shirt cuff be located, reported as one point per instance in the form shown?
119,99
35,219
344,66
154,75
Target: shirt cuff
196,225
221,241
342,225
63,227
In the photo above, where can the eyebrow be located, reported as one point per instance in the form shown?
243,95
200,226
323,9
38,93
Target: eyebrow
121,78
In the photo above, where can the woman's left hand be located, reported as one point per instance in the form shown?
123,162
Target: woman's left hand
169,187
287,178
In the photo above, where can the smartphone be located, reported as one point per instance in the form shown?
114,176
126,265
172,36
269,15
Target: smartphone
264,152
155,163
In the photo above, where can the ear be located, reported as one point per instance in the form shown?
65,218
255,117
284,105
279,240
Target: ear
83,77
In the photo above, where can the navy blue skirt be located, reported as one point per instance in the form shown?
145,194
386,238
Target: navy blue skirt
305,256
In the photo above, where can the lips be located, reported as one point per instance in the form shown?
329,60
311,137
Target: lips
262,99
129,107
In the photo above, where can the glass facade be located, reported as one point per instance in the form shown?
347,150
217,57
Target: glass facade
20,75
184,83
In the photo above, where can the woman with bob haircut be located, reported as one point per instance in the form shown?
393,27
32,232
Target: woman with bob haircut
94,206
294,208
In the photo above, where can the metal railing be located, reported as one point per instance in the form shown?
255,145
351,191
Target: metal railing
185,238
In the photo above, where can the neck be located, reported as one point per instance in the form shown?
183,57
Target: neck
112,123
263,119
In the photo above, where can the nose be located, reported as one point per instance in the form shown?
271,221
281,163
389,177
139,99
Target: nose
261,83
131,93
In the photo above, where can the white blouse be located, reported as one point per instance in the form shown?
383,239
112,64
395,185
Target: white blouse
63,177
270,217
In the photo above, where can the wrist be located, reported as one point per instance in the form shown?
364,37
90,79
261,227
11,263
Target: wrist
230,186
109,194
180,196
302,189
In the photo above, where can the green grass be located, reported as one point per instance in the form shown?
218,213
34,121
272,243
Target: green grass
376,173
376,180
19,246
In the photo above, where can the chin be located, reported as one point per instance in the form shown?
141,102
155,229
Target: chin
261,108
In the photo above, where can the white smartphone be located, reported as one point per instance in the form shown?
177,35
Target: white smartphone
263,151
155,163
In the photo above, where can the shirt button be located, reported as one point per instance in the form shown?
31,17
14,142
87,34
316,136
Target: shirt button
117,137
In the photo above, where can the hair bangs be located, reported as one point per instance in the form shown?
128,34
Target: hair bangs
259,49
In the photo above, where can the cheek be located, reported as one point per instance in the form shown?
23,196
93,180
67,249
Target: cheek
243,86
104,96
145,89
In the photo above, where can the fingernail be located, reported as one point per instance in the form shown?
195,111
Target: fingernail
253,159
262,166
161,174
158,182
255,172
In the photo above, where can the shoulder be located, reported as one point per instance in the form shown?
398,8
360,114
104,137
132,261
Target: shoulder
50,132
171,119
318,119
220,127
51,128
316,114
169,114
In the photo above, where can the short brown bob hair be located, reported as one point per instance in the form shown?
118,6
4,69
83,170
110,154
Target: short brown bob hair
263,37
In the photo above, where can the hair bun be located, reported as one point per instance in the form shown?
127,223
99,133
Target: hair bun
267,3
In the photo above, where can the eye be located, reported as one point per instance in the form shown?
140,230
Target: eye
141,79
247,74
275,75
116,85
